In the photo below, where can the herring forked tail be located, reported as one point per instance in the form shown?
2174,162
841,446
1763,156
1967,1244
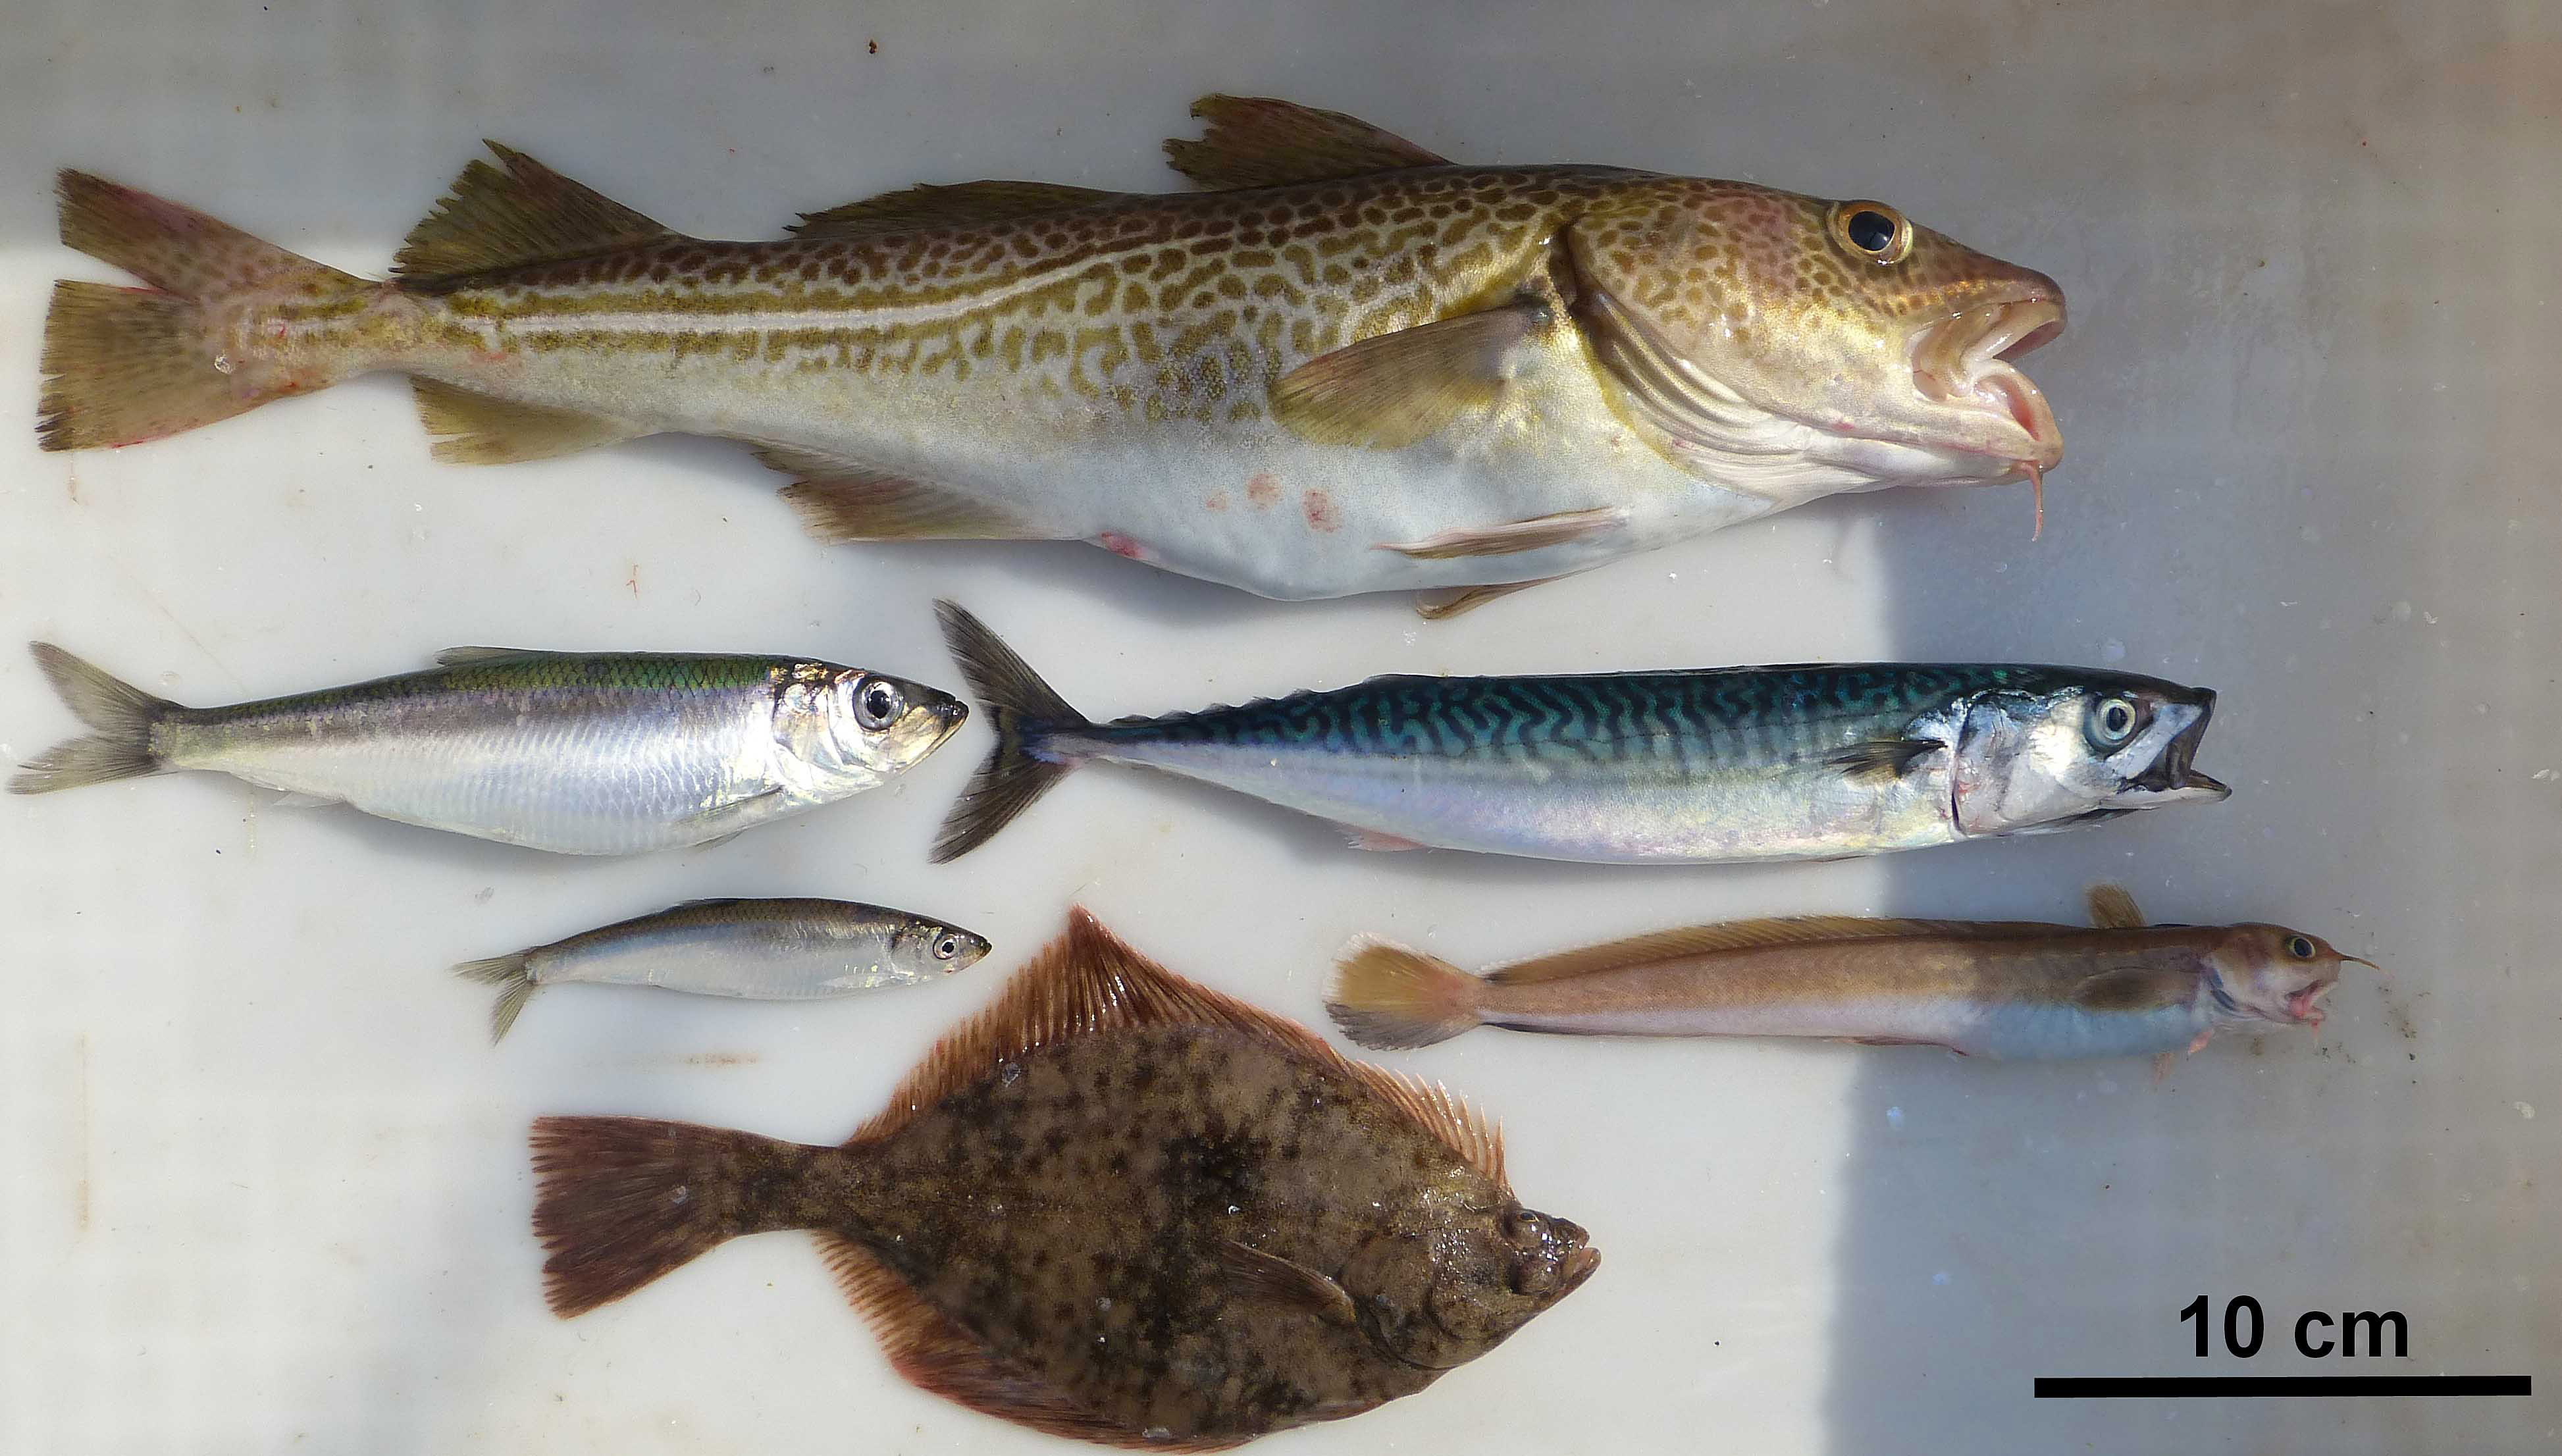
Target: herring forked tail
125,365
1026,714
121,714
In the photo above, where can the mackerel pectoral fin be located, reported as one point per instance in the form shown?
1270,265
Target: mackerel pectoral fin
843,500
1882,760
1443,603
930,206
1262,141
2111,909
525,214
1511,537
1388,392
475,429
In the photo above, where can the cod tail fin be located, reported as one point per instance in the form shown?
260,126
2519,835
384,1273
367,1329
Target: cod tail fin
1027,716
120,714
1386,996
125,365
620,1200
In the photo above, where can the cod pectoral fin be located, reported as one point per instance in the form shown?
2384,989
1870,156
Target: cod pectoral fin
1293,1285
524,214
1512,536
1388,392
928,205
1262,141
474,429
844,500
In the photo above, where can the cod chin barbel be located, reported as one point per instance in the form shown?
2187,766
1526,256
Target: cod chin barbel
1712,765
1351,365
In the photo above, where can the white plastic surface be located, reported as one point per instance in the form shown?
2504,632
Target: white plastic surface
262,1183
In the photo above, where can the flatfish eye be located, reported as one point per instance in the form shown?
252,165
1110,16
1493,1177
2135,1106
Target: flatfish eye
1872,230
878,703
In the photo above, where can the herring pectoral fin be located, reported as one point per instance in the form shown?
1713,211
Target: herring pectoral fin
524,214
1262,141
1511,537
930,206
2134,989
1375,839
1443,603
1294,1286
1388,392
1882,760
713,825
297,798
2111,909
842,501
475,429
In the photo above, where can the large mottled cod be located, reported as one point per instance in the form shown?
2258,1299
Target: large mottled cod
1350,366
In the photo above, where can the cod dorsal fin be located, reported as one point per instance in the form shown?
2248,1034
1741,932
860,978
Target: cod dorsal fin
1260,141
1089,980
1734,934
2111,909
516,214
932,205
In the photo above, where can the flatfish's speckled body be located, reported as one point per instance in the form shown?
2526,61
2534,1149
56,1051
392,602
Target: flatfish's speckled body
1116,1206
1352,366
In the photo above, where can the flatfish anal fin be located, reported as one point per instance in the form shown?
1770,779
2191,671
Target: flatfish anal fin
1882,760
1440,604
935,1354
1089,980
1511,537
517,212
844,500
475,429
2135,989
1294,1286
1262,141
2111,909
928,205
1393,390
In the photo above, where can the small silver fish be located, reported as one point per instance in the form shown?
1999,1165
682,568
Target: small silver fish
575,752
760,950
1995,989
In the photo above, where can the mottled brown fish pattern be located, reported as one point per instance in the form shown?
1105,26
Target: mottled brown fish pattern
1116,1206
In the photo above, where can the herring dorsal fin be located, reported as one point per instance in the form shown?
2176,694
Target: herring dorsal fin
2111,909
932,205
1089,980
1734,934
471,657
526,213
1261,141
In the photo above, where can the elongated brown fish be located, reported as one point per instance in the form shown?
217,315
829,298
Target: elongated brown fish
1115,1206
1352,366
2003,989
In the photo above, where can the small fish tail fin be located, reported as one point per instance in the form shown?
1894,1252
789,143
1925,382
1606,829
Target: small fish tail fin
514,977
620,1200
1027,716
121,715
125,365
1386,996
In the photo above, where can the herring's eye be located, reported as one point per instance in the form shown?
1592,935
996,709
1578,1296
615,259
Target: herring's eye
2299,948
948,947
2114,721
1872,230
877,705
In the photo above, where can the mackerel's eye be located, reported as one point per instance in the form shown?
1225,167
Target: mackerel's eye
1872,230
2299,948
2114,721
948,947
878,703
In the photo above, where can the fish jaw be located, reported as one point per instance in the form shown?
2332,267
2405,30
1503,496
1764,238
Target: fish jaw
1967,361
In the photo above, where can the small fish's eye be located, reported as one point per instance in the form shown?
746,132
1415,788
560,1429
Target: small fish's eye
2114,720
948,947
877,705
1872,230
2299,948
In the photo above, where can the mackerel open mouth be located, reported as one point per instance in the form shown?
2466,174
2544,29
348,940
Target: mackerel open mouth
1967,361
2173,771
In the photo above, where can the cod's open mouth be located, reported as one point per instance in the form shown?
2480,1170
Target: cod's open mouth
1966,361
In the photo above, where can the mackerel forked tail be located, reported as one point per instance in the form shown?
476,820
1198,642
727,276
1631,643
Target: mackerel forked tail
124,365
121,714
1026,715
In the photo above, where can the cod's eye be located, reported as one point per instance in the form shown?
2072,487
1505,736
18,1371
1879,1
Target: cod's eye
2113,721
2299,948
878,703
1873,230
